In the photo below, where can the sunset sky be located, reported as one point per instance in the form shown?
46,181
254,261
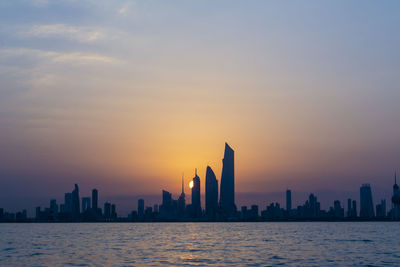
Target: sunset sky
126,96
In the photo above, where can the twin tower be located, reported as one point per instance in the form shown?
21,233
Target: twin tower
226,207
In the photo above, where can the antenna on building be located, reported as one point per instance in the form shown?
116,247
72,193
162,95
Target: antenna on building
183,190
395,178
195,171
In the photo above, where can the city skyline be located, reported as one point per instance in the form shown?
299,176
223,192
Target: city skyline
176,210
128,95
85,208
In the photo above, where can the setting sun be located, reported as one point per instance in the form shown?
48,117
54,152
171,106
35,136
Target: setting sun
191,184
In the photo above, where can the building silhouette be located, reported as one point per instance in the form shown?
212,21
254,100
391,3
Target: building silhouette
75,203
85,204
366,203
107,210
182,201
67,207
381,209
288,202
211,193
95,198
396,200
53,209
227,191
141,208
196,204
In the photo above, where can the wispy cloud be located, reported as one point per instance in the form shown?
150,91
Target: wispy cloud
77,33
57,57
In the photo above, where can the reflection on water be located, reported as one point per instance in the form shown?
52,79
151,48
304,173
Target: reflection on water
230,244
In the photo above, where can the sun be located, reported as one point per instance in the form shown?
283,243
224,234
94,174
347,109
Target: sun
191,184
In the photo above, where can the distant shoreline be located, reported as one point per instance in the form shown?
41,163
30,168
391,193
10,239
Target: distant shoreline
206,221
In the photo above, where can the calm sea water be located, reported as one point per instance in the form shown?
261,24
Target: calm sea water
222,244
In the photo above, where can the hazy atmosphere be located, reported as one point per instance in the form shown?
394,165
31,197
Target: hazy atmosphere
125,96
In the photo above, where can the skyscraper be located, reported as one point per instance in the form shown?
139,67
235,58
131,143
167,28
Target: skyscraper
68,203
196,205
95,197
107,210
75,202
396,200
141,208
349,207
227,192
366,203
182,201
288,201
211,193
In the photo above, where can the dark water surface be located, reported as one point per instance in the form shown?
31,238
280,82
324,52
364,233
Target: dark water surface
221,244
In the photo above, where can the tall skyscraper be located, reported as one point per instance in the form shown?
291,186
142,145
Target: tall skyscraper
196,204
349,212
75,202
95,197
182,201
107,210
141,208
68,203
396,200
288,201
366,203
354,209
53,208
166,199
113,212
211,193
227,192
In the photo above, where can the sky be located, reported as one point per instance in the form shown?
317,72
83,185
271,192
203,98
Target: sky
125,96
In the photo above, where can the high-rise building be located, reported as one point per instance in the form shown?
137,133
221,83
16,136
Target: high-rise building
107,210
166,208
196,204
85,204
396,200
68,203
312,207
182,201
113,212
53,208
354,209
141,208
75,202
366,203
349,207
381,209
288,201
337,209
95,197
211,193
166,199
227,192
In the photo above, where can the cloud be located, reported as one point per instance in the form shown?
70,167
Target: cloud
77,33
56,57
127,7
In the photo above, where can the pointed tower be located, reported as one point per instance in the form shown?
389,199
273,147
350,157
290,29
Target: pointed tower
211,194
196,206
182,201
227,191
396,200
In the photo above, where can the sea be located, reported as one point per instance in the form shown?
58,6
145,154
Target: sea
201,244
